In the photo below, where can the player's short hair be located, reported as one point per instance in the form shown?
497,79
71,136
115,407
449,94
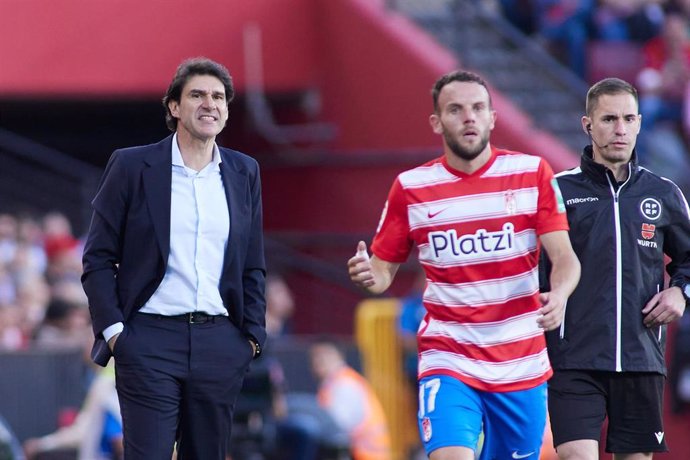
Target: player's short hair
457,75
185,71
608,87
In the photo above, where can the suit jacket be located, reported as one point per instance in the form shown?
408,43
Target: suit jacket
127,247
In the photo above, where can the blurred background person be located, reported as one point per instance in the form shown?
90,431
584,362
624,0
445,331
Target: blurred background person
565,26
264,424
280,306
11,337
95,434
664,78
663,84
633,20
66,325
348,397
8,238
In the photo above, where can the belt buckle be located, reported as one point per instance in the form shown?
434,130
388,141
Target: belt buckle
196,317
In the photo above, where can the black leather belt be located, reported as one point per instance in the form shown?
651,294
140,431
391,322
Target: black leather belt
195,317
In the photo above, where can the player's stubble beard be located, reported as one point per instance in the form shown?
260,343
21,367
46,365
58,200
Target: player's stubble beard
467,154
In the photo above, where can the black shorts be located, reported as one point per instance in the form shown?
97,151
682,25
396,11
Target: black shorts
580,400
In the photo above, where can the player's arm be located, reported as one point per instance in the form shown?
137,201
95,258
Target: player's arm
565,274
669,304
374,275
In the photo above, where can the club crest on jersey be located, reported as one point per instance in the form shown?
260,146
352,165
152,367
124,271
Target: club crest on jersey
511,203
426,429
448,242
650,208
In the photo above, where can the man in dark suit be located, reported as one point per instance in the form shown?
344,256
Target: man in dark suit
174,272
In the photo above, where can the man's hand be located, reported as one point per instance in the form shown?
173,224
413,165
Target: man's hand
374,275
359,268
113,339
552,310
565,274
32,447
666,306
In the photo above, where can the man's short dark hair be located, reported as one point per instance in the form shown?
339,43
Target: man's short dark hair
608,87
188,69
457,75
59,310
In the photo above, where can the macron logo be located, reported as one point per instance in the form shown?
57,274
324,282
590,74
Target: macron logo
659,436
587,199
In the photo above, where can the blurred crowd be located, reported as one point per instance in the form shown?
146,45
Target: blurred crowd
42,303
566,27
651,49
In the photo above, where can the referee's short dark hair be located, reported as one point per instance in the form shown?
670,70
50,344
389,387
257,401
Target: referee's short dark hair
185,71
608,87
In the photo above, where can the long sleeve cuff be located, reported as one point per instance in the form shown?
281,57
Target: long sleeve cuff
110,331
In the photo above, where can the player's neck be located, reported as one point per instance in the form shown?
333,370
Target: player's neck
468,166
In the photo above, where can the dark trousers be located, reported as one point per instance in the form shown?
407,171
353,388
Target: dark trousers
178,381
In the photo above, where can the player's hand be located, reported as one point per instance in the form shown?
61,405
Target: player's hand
666,306
552,310
359,268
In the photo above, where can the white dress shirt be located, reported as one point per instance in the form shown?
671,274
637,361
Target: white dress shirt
199,227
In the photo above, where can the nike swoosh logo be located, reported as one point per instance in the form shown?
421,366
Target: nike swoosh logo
431,215
518,456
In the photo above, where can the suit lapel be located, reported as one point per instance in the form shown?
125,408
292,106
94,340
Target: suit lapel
157,183
234,185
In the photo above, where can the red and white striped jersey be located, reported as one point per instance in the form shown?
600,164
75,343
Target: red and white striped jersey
477,237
